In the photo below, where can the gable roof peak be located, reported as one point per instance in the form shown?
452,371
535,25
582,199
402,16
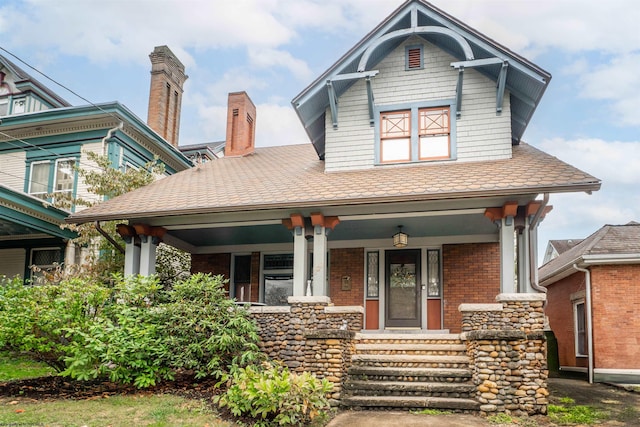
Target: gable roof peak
524,81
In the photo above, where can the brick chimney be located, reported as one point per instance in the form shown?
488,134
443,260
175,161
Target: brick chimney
241,125
165,95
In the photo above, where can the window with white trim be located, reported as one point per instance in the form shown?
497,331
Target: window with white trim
580,327
429,138
52,177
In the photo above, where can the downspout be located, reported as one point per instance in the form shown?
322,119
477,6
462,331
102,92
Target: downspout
587,275
109,238
533,267
109,135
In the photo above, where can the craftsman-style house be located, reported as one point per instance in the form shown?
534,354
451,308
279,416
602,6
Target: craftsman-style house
415,194
43,139
593,298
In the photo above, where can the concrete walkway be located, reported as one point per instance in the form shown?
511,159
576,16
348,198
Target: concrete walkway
403,419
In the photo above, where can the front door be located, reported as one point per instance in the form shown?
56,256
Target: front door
403,290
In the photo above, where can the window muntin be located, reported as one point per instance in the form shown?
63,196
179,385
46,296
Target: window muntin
417,133
373,287
434,286
434,132
44,260
395,136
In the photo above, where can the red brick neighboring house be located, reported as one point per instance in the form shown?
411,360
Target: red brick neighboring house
593,294
415,194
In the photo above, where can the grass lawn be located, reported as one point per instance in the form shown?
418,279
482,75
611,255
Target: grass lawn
142,409
126,411
14,366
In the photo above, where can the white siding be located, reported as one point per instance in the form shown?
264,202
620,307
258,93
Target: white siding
13,170
481,134
12,262
87,164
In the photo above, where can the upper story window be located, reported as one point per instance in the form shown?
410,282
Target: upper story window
434,133
52,177
415,134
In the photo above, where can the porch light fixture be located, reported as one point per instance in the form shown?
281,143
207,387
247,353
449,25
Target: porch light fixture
400,239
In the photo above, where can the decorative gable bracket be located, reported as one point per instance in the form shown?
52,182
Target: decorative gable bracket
501,82
333,99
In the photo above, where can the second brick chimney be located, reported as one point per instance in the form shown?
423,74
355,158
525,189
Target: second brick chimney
165,95
241,125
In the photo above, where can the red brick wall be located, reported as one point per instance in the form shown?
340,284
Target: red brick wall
616,303
241,126
212,263
347,262
471,274
560,311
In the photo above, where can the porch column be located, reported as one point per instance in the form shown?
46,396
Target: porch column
131,249
524,267
507,255
131,258
148,248
300,255
150,238
319,261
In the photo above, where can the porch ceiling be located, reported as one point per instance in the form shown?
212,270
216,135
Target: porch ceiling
350,228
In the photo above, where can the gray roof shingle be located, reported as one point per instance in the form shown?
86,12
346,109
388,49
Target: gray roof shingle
293,177
608,240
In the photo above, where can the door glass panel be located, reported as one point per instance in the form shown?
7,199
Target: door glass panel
433,268
403,290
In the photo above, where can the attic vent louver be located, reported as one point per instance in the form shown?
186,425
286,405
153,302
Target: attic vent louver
414,58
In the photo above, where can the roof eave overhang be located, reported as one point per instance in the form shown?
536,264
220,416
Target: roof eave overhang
85,216
115,110
584,261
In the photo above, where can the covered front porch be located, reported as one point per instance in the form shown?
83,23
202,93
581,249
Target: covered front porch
450,253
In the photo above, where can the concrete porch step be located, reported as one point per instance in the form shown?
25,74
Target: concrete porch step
411,402
409,374
415,348
410,360
398,388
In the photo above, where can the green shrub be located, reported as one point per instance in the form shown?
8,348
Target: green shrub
274,396
146,334
35,319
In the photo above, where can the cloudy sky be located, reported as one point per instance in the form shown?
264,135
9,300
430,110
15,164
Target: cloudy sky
589,116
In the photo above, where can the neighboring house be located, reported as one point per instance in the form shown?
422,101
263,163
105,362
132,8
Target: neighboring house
43,138
593,294
203,153
416,194
557,247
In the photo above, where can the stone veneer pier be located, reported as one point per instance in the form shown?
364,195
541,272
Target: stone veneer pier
497,363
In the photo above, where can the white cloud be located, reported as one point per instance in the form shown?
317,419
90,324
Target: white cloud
615,162
267,58
278,125
616,82
617,202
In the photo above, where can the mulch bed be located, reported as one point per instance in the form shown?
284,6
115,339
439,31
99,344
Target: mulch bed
54,387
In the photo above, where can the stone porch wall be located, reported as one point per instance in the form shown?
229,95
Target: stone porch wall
507,351
310,334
